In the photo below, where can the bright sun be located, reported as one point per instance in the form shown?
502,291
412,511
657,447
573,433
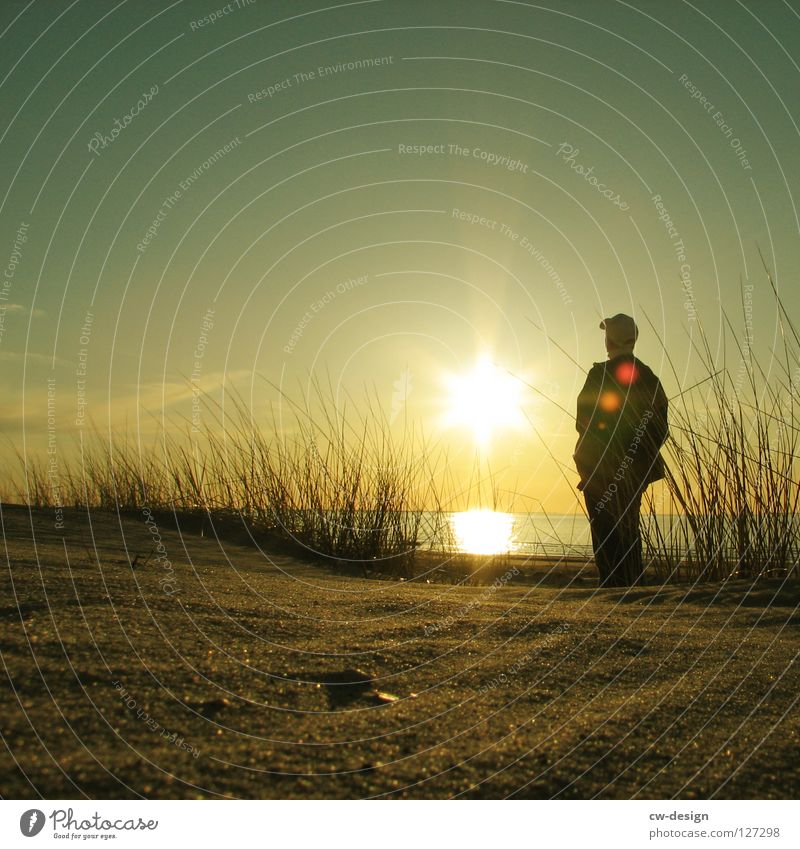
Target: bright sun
483,531
486,399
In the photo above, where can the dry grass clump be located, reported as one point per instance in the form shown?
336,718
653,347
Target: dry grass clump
331,480
337,480
730,504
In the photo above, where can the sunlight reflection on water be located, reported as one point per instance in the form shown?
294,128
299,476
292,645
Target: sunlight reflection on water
483,531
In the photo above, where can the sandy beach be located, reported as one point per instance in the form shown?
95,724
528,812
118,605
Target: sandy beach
216,670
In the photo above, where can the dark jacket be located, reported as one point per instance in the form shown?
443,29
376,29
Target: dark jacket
622,424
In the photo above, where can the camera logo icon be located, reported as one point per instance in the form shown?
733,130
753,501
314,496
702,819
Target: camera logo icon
31,822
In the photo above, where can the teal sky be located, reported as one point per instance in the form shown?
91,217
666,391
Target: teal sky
692,102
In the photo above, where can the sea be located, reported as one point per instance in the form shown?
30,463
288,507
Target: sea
561,535
539,534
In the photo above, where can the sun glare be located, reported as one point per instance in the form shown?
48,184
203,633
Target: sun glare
483,531
485,400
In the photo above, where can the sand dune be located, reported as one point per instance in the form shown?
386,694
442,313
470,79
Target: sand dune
257,675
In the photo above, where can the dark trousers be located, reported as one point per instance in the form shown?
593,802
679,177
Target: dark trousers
616,540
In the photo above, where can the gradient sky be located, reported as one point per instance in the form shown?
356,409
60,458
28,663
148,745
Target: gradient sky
693,102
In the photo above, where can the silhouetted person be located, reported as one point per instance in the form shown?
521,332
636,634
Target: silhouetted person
622,422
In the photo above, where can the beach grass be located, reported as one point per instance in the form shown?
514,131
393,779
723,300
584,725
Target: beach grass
732,491
331,478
